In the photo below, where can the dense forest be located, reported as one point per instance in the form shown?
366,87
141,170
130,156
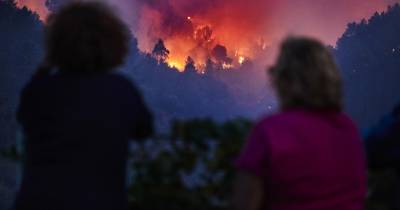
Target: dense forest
368,54
20,51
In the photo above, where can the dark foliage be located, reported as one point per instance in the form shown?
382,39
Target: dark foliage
20,53
220,54
369,55
190,65
160,52
191,168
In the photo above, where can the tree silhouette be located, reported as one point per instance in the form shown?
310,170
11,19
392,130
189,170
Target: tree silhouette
20,52
220,54
210,66
20,41
190,66
369,56
160,52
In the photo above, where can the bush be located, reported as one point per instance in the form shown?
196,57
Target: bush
191,169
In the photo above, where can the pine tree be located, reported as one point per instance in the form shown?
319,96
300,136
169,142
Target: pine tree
190,66
160,52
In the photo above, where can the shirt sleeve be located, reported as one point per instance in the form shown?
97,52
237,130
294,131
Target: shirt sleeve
254,156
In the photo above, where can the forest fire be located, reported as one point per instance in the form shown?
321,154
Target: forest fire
228,33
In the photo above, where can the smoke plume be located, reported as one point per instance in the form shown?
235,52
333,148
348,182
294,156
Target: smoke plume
246,29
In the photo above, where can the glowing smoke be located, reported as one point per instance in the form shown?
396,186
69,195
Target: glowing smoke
242,28
37,6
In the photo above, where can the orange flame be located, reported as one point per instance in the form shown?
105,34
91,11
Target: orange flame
188,32
245,29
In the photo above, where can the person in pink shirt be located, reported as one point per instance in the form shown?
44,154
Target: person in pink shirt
309,155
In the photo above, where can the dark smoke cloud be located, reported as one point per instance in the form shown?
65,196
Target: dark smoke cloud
220,54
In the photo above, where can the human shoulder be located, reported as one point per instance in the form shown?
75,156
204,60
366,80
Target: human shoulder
286,120
120,76
268,123
122,79
37,83
275,119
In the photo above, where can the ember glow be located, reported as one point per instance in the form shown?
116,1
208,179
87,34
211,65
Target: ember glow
231,32
225,32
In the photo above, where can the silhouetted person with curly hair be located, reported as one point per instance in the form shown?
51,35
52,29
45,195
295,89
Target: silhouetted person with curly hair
78,115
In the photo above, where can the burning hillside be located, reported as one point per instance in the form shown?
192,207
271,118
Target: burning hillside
228,32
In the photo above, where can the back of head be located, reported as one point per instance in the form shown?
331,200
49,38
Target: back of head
86,37
306,76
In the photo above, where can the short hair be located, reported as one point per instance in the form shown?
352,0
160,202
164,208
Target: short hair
307,76
86,37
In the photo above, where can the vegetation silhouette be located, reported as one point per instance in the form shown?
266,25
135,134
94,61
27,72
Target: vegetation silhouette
369,55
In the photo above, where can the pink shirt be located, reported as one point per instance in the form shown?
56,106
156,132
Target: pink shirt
309,160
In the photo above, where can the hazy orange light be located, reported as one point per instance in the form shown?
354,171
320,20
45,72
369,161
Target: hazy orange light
175,64
227,66
241,59
37,6
249,30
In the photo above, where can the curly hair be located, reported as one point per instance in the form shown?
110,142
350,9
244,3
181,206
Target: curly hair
86,37
307,76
